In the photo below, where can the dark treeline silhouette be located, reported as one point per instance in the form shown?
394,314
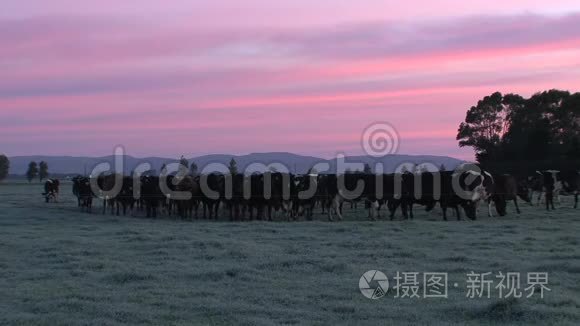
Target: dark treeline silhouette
510,133
32,171
39,170
4,166
42,170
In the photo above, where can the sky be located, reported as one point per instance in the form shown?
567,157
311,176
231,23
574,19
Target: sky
172,78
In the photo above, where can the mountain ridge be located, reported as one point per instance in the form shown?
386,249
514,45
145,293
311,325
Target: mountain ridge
295,163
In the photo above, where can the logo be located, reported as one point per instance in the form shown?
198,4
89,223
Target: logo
374,284
380,139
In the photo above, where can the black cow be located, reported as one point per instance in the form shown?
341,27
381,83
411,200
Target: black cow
82,190
189,185
463,188
306,187
282,190
234,195
402,191
571,185
51,190
348,188
551,186
256,197
535,185
507,188
461,194
151,194
125,198
576,188
213,190
106,183
322,195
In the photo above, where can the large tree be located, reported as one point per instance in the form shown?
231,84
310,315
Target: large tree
32,171
484,126
4,166
233,167
544,127
43,170
183,165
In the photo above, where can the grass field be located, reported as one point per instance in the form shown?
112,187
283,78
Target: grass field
62,267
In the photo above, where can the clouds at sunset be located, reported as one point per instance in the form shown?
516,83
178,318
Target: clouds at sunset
112,76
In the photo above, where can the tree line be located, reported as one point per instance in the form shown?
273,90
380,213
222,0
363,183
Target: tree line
35,170
4,166
512,130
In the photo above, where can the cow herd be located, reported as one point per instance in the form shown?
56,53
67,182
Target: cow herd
267,195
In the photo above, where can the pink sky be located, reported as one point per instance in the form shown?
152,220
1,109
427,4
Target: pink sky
168,78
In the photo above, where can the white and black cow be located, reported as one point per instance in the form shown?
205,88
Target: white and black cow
479,184
51,190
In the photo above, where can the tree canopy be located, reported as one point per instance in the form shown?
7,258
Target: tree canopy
32,171
512,128
4,167
43,170
233,167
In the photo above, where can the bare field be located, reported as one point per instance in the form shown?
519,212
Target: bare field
62,267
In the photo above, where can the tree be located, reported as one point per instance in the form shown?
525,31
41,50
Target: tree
4,167
233,167
367,169
193,168
442,168
484,126
32,171
43,170
543,129
183,165
183,161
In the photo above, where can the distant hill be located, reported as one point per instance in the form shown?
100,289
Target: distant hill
216,162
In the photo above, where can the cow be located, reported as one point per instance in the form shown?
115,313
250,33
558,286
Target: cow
282,190
403,192
459,190
82,190
306,187
234,196
576,188
106,183
535,185
507,188
351,187
189,185
571,185
255,196
213,190
322,195
464,188
551,186
51,190
151,194
125,198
